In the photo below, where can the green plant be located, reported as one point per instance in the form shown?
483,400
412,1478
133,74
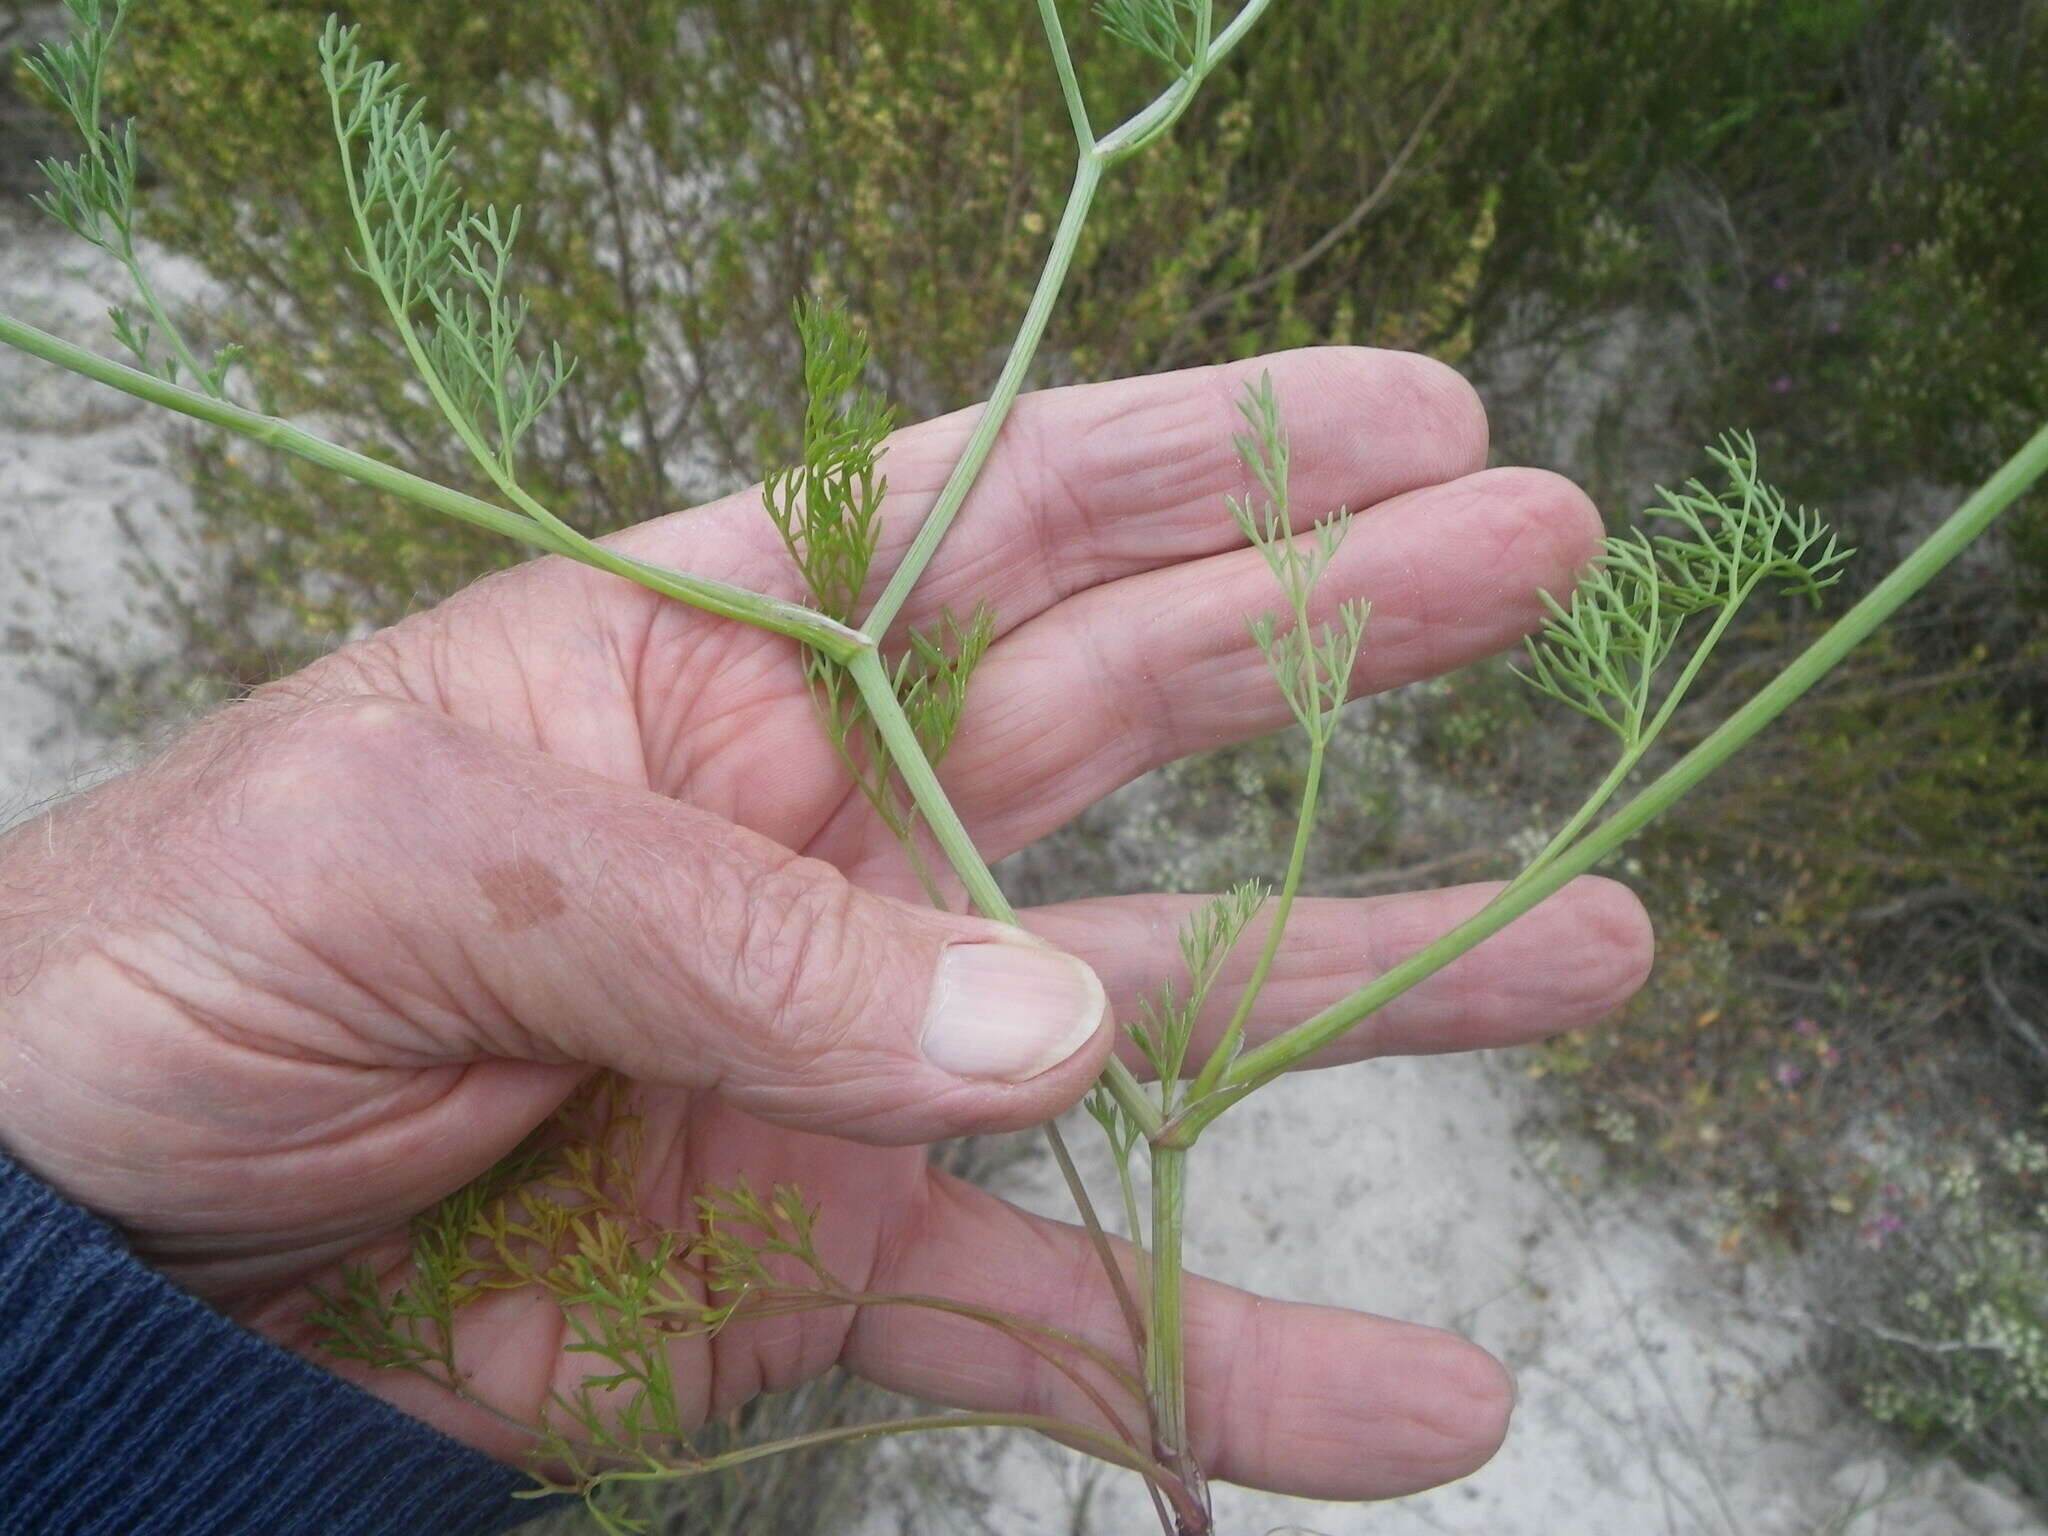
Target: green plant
1937,1310
557,1218
1849,970
662,259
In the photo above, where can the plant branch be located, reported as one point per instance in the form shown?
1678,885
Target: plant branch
871,676
1103,1447
1276,931
1070,86
1052,278
1260,1066
1166,1348
1645,739
797,622
1155,119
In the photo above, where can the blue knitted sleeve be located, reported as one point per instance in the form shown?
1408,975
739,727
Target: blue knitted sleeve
128,1408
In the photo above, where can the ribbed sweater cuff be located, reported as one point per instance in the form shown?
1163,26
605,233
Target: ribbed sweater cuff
128,1408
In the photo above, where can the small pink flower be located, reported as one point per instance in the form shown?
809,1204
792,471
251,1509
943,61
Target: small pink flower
1787,1075
1881,1226
1782,384
1805,1027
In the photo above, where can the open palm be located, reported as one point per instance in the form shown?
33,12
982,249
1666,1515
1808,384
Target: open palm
350,942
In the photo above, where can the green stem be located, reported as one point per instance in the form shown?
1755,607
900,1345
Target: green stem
1258,1067
146,290
1585,813
1070,86
1134,1219
798,623
871,675
1166,1347
1105,1447
1131,1097
1094,159
1304,826
1146,126
1077,1191
1051,279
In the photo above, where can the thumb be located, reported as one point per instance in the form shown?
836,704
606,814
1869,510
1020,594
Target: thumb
496,902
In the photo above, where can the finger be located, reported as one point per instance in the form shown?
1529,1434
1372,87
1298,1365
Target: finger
410,891
1144,671
1310,1401
1578,956
1095,482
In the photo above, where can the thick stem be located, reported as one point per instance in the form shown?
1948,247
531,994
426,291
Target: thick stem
1166,1348
799,623
1260,1066
871,676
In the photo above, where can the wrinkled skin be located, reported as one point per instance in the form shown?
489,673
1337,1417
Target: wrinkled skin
347,943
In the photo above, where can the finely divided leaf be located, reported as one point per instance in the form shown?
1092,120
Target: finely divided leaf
1312,665
1737,538
1166,29
1601,653
441,266
931,680
94,196
1165,1026
827,508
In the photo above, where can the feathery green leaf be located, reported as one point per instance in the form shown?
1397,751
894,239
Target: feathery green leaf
1165,1026
1601,653
1312,665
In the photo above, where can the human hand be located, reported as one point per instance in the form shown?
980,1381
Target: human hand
347,944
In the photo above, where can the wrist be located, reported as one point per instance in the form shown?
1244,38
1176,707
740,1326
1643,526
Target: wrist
126,1404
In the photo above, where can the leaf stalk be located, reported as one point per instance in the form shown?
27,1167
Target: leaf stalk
814,629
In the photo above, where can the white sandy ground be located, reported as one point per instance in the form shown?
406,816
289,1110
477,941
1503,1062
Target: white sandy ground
1661,1391
75,461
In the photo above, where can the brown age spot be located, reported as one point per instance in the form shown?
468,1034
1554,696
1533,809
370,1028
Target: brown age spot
523,894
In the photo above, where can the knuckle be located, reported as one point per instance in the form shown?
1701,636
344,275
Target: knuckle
798,966
1453,415
334,746
304,784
